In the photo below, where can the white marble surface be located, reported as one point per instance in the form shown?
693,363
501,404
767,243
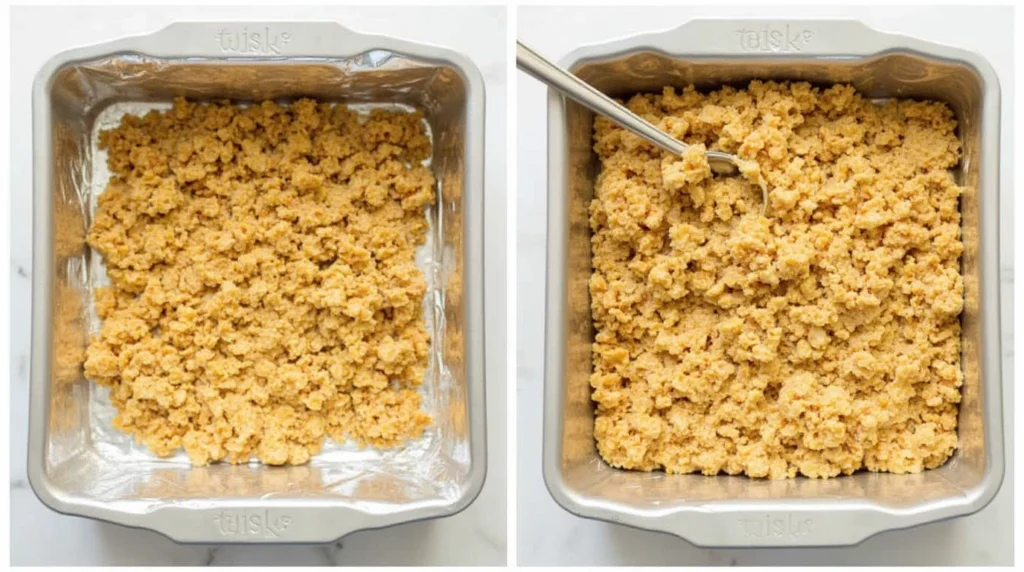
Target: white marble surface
549,535
475,536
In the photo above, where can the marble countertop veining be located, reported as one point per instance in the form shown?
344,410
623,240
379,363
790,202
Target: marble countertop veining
549,535
41,536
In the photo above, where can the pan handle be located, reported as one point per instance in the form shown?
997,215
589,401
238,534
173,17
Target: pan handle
253,41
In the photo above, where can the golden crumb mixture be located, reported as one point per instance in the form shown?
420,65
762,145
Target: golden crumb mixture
264,289
819,339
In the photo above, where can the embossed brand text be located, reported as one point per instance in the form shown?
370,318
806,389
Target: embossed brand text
769,39
251,523
776,526
262,42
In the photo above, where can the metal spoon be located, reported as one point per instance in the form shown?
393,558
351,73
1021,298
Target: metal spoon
576,89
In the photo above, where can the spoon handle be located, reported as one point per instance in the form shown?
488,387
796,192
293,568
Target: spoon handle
576,89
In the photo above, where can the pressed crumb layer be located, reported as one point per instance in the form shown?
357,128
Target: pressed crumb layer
817,339
264,294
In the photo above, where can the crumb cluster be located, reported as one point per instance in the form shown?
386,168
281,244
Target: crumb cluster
264,294
818,339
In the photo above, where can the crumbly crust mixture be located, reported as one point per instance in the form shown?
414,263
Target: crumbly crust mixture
820,339
264,293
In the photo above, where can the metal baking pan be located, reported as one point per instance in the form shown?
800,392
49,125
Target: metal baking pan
736,510
77,464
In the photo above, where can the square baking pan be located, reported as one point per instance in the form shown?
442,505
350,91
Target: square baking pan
737,510
77,463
